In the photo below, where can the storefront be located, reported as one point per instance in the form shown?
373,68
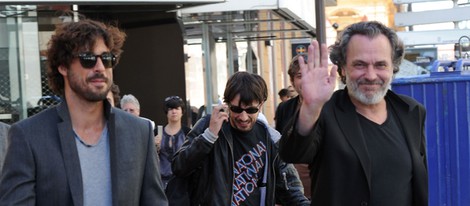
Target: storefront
26,26
156,55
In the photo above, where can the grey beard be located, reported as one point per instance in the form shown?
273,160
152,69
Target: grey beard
353,90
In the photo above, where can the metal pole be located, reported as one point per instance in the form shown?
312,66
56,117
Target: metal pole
229,46
207,65
249,57
230,57
320,20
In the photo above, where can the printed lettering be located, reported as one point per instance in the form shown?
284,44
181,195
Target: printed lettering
246,171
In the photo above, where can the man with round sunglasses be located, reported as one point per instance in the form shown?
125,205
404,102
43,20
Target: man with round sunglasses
83,151
230,158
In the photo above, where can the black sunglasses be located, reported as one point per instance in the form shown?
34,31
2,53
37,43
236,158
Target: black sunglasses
88,60
249,110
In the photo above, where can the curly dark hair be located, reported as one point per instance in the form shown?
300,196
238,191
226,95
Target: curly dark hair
71,38
251,87
370,29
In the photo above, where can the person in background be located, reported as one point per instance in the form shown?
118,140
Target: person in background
131,105
194,115
83,151
3,142
365,144
283,94
114,96
285,112
174,133
231,158
292,91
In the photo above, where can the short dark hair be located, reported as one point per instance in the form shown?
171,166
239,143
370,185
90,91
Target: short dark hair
173,102
116,94
370,29
73,37
294,66
251,87
283,92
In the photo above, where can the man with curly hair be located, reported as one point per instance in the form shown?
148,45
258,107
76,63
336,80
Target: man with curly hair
83,151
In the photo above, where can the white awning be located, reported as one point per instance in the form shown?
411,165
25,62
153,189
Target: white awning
112,2
254,20
300,10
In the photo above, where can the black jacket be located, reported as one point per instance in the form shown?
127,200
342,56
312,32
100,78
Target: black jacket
209,169
338,156
285,111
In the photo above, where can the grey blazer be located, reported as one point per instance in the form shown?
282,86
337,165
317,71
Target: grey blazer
3,142
42,166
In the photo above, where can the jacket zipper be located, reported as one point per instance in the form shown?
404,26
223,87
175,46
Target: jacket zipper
231,156
285,180
273,167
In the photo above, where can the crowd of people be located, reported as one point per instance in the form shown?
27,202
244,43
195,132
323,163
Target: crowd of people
361,145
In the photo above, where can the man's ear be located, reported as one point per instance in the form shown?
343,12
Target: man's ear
62,70
343,72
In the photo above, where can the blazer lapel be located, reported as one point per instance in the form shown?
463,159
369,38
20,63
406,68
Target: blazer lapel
409,118
349,124
408,121
70,154
113,155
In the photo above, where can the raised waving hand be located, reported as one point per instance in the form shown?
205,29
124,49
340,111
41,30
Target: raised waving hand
318,84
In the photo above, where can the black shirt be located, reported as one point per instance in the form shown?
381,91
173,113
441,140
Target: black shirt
391,162
249,152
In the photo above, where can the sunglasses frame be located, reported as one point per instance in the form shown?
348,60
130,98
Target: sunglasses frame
239,110
88,60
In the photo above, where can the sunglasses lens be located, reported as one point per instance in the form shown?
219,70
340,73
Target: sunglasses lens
87,60
236,109
108,60
251,110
